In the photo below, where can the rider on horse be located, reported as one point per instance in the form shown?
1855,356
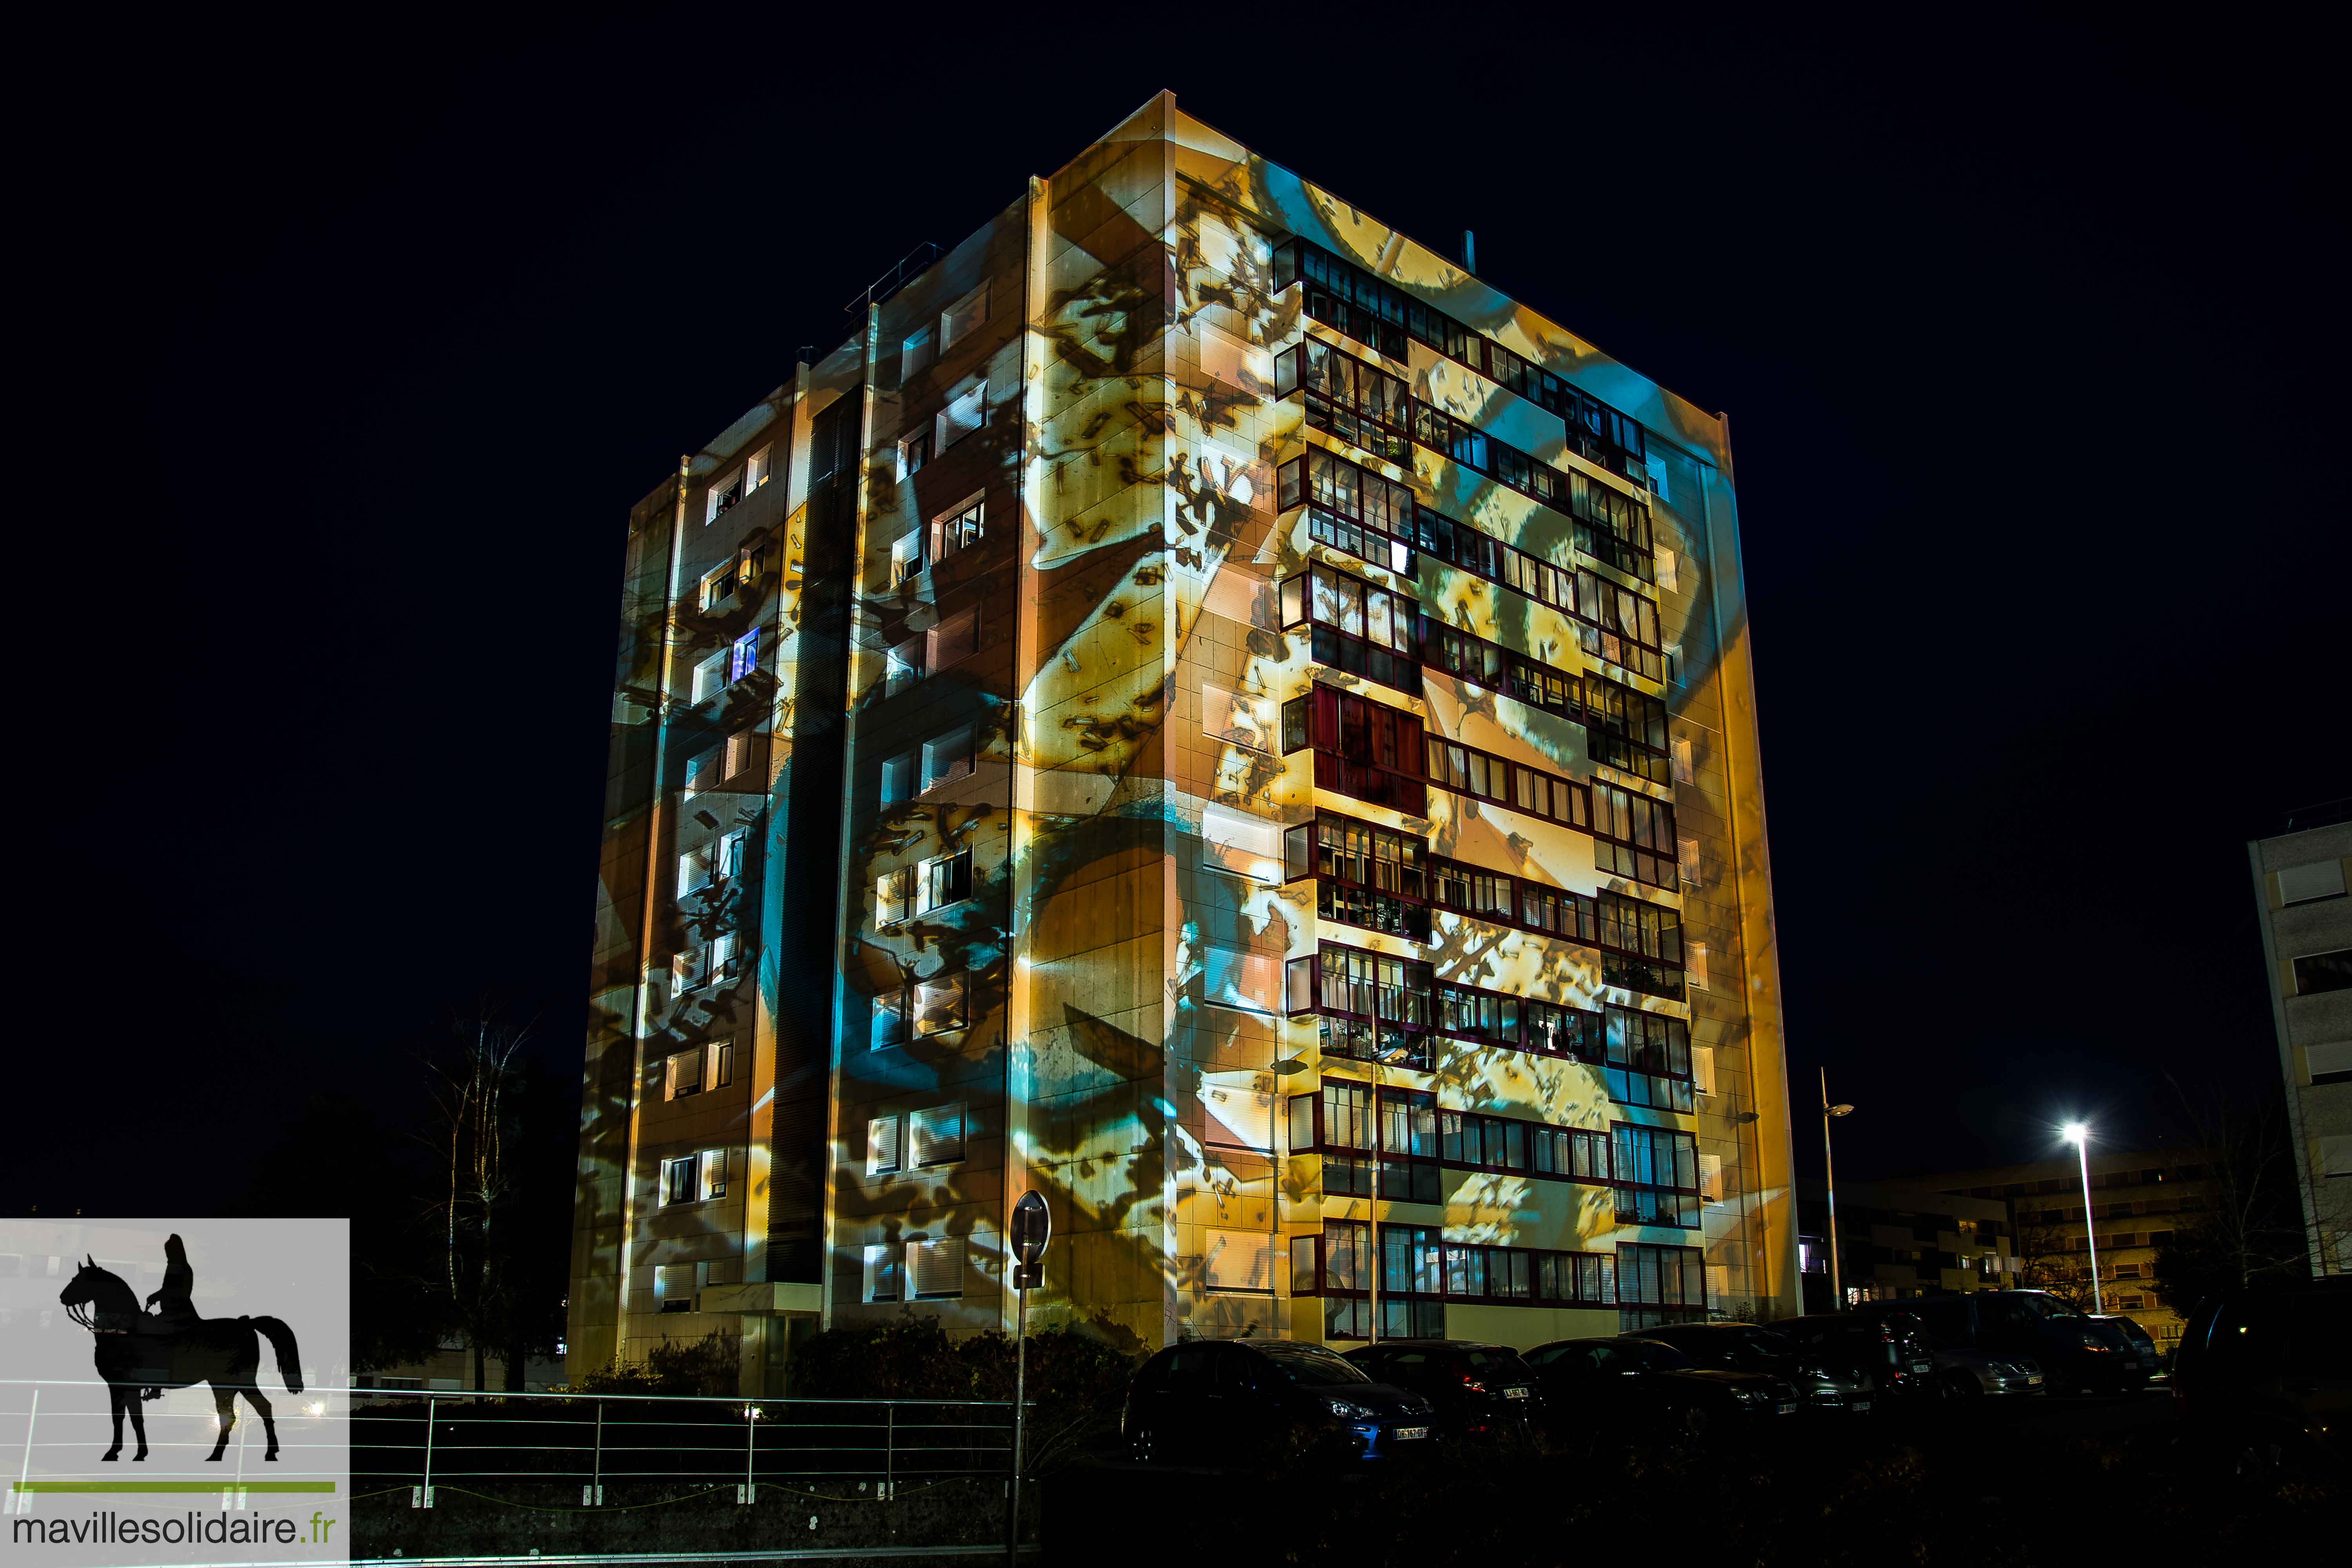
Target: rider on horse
177,1310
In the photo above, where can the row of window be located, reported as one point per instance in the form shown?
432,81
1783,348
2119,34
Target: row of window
720,585
1349,299
1625,728
926,1269
1373,1006
941,334
1387,881
689,1072
694,1178
1419,1268
921,1008
1371,752
916,1140
927,653
960,527
1366,407
1374,518
941,760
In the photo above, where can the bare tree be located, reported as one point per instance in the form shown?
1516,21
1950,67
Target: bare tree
2250,1229
2049,1260
474,1090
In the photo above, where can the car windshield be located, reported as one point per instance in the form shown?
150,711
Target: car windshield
1657,1357
1310,1364
1502,1364
2037,1306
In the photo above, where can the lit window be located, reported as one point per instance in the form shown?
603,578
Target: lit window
902,667
710,676
914,353
723,496
894,896
744,657
718,1064
678,1179
719,587
958,530
682,1075
897,779
739,753
906,558
755,473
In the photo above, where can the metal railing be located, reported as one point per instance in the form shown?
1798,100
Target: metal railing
53,1434
439,1437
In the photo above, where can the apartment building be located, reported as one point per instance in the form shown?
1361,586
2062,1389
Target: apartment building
1203,709
2138,1198
1894,1244
2306,920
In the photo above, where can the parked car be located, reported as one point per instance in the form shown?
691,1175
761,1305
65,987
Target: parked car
2138,1364
1192,1399
2151,1359
2266,1376
1966,1374
1636,1387
1477,1390
1744,1347
1887,1354
2035,1324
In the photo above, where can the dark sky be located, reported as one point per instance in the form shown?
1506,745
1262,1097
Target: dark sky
355,349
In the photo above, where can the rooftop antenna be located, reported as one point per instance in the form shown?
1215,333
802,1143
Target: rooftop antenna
1469,251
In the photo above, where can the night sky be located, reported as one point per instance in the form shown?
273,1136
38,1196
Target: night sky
355,350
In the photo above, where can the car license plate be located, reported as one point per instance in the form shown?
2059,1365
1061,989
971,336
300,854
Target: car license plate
1515,1394
1859,1406
1923,1366
1407,1433
2032,1379
1788,1409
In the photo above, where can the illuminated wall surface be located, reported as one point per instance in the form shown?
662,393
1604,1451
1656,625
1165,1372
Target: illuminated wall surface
1201,688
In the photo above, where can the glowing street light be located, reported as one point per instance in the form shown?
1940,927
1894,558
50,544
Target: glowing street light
1828,1173
2079,1135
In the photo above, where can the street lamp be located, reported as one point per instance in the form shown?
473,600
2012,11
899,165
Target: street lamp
2080,1136
1829,1173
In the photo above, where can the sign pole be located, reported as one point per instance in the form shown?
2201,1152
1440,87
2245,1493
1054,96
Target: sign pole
1031,1229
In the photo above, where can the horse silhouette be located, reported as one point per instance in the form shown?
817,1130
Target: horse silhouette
135,1352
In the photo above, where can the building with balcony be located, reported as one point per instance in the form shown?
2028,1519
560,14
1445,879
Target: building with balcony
2306,920
1203,709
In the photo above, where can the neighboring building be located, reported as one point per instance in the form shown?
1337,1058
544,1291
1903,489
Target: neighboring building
1198,684
2299,885
451,1366
1897,1242
2138,1199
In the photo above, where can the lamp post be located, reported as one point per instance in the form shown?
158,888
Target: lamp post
1829,1174
2080,1136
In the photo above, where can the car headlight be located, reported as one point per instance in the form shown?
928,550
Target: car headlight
1347,1411
1750,1395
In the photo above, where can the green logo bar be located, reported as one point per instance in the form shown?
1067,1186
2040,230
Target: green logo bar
191,1486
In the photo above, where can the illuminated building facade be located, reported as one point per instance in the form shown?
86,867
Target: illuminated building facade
1201,709
2299,888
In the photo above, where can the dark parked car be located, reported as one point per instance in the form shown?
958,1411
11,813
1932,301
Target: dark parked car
1744,1347
1887,1354
2151,1359
1193,1399
2138,1367
1966,1373
1477,1389
2266,1375
2035,1324
1634,1387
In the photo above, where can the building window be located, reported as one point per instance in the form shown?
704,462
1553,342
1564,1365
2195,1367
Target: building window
718,588
738,753
902,667
1627,731
1237,1262
722,496
720,860
897,779
1420,1270
744,657
1659,1285
1362,748
1519,1148
673,1292
1355,627
680,1179
883,1135
1371,1006
1351,509
918,890
914,353
2305,884
959,529
1365,875
966,412
935,1137
682,1074
1642,945
2320,972
914,455
881,1272
949,757
906,557
1341,1124
712,962
935,1267
1633,837
1657,1175
710,676
1236,1117
1695,965
1648,1059
922,1009
963,318
952,641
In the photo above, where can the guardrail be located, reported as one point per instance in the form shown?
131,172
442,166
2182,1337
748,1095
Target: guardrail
442,1437
54,1433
